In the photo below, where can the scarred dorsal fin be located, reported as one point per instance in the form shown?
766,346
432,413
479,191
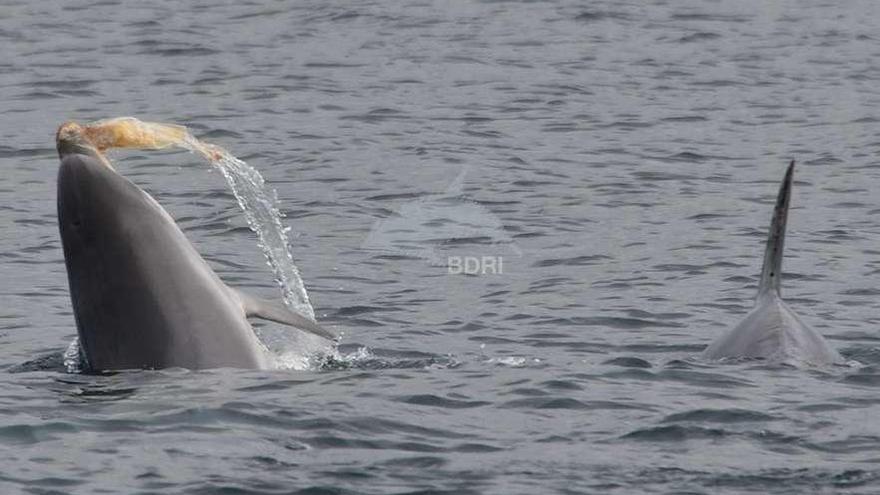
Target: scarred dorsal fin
772,270
276,311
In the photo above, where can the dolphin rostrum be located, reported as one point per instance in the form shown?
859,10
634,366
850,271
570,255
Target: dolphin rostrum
142,295
772,330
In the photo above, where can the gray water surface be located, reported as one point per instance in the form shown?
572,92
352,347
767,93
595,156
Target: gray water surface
619,159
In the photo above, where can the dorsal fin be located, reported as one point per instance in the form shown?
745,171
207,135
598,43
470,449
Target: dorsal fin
772,270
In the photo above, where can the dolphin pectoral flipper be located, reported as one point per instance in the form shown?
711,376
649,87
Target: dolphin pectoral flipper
276,311
771,272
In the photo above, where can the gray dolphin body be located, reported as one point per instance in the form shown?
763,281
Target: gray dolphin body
142,295
772,330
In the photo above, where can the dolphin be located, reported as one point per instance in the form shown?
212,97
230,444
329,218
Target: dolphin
772,330
143,297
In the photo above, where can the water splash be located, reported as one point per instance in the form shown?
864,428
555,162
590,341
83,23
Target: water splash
73,357
291,349
364,358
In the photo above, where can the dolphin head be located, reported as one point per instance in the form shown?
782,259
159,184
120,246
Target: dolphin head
95,203
90,191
